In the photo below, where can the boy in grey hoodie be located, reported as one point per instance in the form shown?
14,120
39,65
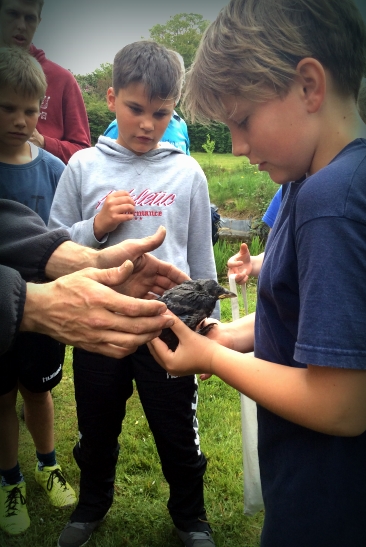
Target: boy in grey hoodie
120,189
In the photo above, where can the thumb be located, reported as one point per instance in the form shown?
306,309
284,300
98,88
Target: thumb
111,277
150,243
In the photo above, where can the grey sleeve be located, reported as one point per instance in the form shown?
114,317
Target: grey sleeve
66,209
200,250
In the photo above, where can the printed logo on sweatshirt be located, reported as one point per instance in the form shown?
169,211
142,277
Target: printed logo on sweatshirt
44,106
44,103
147,197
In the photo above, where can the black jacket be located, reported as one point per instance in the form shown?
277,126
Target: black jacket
26,244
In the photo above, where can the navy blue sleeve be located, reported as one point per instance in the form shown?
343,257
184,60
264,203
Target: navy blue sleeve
331,255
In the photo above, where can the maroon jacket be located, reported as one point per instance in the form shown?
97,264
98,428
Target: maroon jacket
63,120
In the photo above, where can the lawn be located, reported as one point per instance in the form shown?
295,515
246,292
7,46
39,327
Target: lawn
235,186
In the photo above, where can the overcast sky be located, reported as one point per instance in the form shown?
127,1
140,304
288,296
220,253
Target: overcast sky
80,35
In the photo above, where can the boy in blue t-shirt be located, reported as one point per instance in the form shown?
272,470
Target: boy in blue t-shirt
284,75
33,365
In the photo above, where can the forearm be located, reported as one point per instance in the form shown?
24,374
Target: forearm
257,262
237,335
70,257
330,401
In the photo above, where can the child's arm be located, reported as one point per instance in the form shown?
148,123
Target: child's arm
244,265
117,207
325,399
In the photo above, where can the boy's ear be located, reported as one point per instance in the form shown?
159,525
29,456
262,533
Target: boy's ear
312,78
111,99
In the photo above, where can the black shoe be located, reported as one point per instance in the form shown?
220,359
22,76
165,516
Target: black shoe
76,534
195,539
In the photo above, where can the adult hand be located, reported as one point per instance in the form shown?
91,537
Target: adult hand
117,207
150,274
37,139
83,310
240,264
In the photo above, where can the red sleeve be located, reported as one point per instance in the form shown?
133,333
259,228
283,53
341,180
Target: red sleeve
76,133
63,121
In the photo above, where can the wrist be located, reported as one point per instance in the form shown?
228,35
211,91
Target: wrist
32,312
70,257
99,230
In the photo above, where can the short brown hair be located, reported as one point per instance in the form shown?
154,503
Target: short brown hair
39,2
21,72
159,69
254,46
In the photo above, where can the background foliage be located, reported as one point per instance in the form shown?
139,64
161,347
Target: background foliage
182,33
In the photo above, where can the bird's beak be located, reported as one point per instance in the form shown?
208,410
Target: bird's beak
227,294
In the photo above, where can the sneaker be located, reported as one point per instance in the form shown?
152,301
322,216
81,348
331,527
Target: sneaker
76,534
196,539
55,485
14,517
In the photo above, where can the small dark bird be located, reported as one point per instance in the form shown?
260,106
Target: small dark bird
192,301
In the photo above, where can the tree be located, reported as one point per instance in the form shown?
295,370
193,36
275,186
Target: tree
182,33
96,83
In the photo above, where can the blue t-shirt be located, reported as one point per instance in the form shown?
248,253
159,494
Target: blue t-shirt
270,215
176,133
32,184
312,310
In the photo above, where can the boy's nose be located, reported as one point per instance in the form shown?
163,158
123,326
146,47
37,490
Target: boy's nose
239,145
19,121
147,124
21,24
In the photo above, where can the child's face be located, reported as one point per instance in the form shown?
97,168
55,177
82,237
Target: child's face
18,23
278,134
141,122
18,118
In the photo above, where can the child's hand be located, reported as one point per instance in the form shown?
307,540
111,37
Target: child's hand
193,354
240,264
118,207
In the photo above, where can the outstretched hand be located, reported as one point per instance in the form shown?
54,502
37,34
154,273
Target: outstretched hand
83,310
240,265
150,274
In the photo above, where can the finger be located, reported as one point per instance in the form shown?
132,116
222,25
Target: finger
117,352
169,275
150,243
158,350
204,377
120,303
244,249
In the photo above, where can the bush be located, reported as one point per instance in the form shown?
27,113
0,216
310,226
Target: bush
98,115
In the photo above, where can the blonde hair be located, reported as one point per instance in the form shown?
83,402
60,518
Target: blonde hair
254,46
159,69
21,72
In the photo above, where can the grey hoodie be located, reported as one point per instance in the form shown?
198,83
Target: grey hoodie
169,188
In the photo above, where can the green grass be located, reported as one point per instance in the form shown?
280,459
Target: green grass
235,186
